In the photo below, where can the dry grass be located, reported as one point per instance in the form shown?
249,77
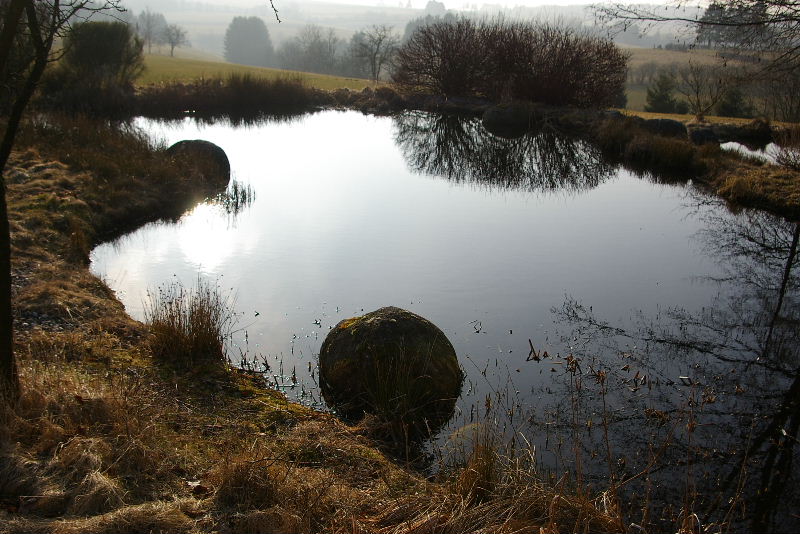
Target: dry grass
238,96
687,117
640,55
741,180
189,326
104,440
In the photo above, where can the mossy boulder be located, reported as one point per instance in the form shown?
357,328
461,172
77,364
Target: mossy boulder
208,159
394,364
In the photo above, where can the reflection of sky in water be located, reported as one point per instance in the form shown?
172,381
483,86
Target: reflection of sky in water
768,153
339,224
344,220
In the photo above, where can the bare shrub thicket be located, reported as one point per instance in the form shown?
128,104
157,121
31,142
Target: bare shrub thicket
505,61
443,58
703,86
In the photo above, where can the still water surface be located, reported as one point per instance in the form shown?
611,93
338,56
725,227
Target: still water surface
504,244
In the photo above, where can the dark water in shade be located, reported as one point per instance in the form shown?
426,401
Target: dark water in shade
682,316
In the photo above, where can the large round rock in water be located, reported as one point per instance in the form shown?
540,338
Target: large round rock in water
206,157
391,363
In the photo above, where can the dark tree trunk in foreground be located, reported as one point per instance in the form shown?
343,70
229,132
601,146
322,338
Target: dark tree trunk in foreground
9,381
9,384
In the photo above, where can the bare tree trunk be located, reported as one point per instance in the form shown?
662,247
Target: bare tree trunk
9,384
9,381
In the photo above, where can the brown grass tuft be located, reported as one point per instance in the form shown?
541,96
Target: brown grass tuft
274,520
189,326
246,484
97,493
166,517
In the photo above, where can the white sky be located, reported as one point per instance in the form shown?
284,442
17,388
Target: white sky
449,4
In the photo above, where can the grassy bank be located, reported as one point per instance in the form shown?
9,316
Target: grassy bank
167,70
739,179
109,438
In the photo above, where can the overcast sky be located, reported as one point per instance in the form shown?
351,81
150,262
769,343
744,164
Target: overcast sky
450,4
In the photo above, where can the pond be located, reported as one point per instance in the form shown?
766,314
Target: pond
670,323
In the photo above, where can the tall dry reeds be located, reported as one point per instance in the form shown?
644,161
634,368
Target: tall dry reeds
189,325
238,96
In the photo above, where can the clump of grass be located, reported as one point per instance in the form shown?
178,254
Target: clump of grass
665,154
789,153
624,140
239,95
236,198
613,135
189,326
479,477
248,483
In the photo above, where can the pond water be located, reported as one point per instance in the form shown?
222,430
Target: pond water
670,323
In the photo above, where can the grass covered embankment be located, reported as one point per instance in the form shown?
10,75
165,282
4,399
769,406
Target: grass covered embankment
165,70
739,179
108,438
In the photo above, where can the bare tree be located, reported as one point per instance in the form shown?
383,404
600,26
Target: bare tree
32,25
150,27
771,26
703,86
174,36
375,46
313,49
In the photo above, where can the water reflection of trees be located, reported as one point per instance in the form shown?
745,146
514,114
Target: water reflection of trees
461,150
704,406
248,120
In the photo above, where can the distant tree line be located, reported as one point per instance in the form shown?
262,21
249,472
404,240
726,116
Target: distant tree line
724,89
732,24
154,29
503,60
368,54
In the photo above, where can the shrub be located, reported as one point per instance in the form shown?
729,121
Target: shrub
189,326
735,104
503,61
661,154
661,98
101,61
443,58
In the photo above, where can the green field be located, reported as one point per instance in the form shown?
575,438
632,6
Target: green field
165,69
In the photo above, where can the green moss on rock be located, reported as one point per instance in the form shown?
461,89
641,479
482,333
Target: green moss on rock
391,363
